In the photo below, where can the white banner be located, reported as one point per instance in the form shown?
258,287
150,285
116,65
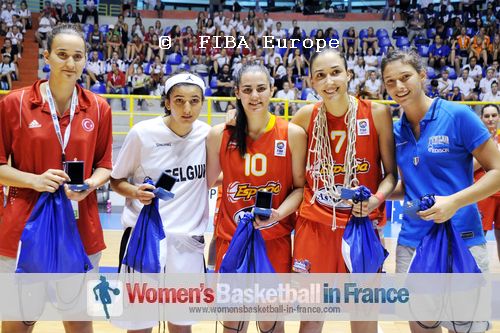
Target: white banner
140,297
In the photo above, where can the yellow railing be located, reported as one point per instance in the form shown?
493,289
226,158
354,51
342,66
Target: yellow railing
210,115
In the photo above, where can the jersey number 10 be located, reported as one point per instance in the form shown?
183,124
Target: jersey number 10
255,165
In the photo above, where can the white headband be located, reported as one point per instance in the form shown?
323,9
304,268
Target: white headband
184,78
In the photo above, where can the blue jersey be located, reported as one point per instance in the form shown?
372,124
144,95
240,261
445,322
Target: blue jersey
440,162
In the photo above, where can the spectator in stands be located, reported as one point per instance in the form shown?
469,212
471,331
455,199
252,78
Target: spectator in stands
158,28
481,46
96,39
25,16
460,48
95,70
244,28
58,6
288,94
493,95
136,48
260,30
279,33
298,62
122,27
438,53
433,89
350,39
296,32
16,21
278,72
139,29
175,36
3,28
90,9
466,86
16,38
351,58
475,71
220,59
495,47
157,72
235,20
455,95
115,59
289,77
154,49
8,71
370,40
45,25
371,61
10,49
210,27
373,87
444,84
159,8
225,85
270,56
354,84
485,83
416,25
360,70
218,19
140,84
268,22
430,16
114,44
226,27
115,84
7,13
70,16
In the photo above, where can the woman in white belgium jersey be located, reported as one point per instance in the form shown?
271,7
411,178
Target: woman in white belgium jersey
174,143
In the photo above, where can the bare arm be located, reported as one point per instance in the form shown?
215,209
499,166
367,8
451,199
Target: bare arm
297,140
488,157
214,140
141,193
383,124
49,181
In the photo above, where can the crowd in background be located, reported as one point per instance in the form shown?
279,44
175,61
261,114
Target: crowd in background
461,42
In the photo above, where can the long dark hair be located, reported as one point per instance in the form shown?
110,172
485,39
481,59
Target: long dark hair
239,132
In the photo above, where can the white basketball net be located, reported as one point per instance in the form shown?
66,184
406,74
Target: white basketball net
322,168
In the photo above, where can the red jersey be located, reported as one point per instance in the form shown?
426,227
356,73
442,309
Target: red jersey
28,136
369,171
266,165
480,172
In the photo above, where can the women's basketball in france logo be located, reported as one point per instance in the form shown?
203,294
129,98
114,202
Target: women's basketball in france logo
104,298
88,124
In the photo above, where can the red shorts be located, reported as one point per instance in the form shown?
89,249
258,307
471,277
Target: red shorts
490,212
320,245
279,251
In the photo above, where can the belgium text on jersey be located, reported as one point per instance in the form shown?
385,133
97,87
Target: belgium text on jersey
268,42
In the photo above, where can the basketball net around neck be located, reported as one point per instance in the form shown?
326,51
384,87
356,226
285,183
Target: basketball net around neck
322,167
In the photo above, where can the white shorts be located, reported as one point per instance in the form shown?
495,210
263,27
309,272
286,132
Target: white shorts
180,253
404,255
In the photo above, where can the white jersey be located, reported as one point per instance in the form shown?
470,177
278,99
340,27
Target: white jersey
151,148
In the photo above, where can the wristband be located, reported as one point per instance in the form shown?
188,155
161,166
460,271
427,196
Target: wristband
380,196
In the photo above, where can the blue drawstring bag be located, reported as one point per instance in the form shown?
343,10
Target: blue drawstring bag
361,248
52,235
442,250
247,250
143,250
